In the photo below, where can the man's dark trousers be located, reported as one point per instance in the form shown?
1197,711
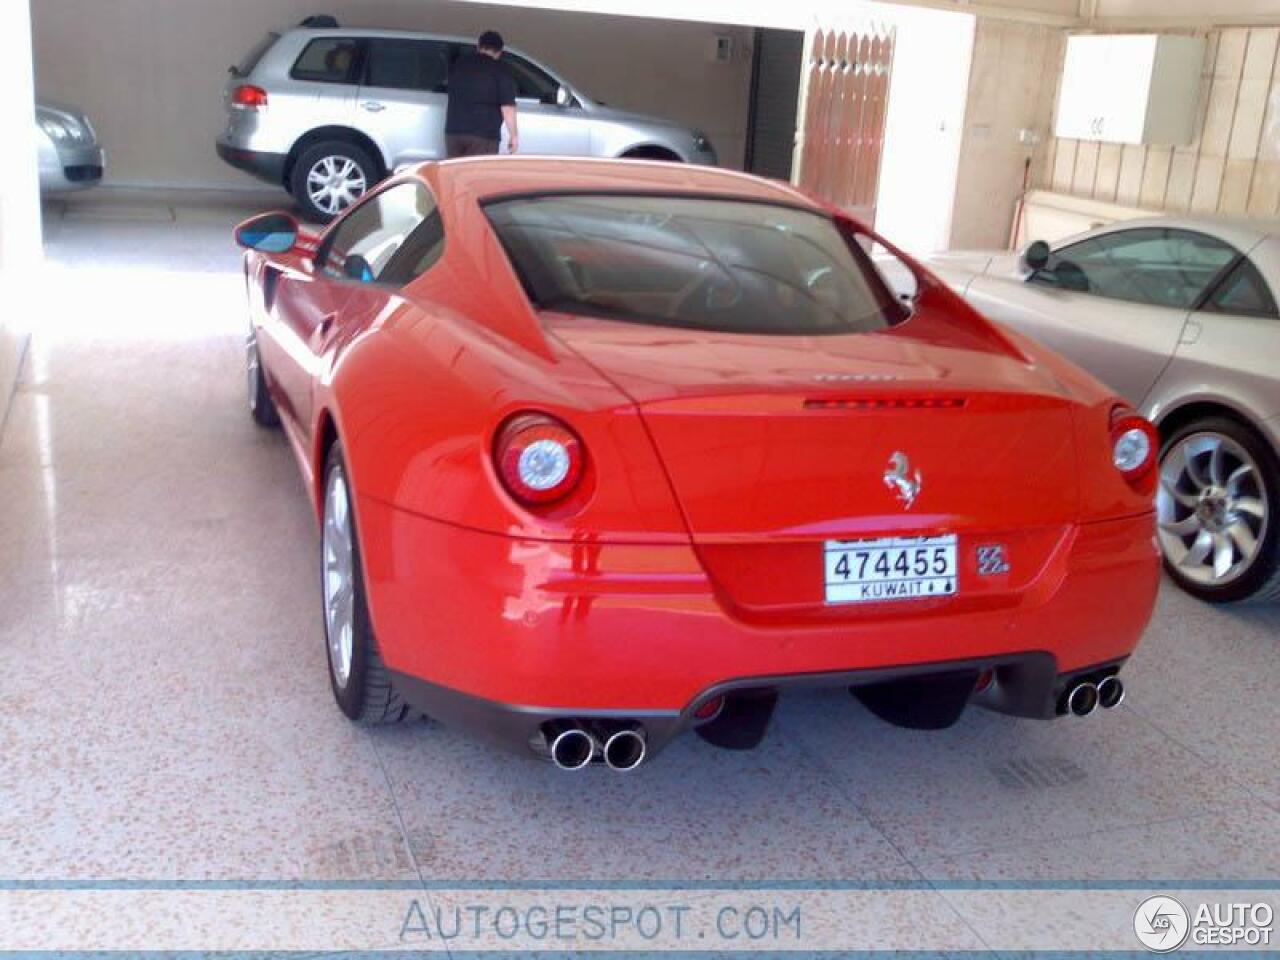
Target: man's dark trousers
465,145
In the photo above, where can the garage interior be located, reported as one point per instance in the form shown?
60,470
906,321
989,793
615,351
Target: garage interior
167,712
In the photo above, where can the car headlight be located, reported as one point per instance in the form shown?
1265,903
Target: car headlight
61,129
55,129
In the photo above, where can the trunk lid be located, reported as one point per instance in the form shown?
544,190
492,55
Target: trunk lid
776,445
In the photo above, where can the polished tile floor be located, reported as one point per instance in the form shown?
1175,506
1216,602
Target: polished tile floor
166,713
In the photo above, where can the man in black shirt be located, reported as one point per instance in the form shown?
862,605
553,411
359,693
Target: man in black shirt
482,96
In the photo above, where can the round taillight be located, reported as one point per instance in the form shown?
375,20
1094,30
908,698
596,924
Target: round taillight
539,459
249,97
1134,442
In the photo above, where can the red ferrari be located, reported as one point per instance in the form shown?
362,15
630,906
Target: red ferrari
603,451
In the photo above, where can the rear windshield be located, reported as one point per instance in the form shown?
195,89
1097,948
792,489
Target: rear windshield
254,56
693,262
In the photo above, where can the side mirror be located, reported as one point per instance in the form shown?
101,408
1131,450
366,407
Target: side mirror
1035,256
269,233
563,96
357,268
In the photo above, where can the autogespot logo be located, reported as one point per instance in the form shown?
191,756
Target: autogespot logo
1161,923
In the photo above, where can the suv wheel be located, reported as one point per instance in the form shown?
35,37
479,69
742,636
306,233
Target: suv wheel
330,176
1219,512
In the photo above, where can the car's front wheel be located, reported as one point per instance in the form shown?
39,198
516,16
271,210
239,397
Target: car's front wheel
330,176
1217,508
361,683
261,406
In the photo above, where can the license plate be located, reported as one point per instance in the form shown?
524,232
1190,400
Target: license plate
893,568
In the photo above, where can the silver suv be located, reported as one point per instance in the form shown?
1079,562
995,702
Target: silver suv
327,112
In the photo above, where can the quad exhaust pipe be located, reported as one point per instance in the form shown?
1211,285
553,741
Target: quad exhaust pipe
625,749
573,745
1110,692
1083,698
1086,696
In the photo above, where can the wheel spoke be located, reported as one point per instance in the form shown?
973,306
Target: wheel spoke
1199,550
1193,471
1224,554
1182,528
1216,465
1250,505
1244,538
1239,474
1171,488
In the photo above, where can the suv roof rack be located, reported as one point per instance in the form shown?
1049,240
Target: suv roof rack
320,21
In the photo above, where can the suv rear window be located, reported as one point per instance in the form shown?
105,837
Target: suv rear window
328,60
704,263
254,56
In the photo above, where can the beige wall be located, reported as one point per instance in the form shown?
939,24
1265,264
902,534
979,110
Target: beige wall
1152,13
1012,83
150,72
1233,165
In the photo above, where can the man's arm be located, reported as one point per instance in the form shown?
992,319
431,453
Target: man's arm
507,100
513,135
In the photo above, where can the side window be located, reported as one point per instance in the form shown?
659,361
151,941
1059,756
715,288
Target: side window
408,65
1244,292
532,83
391,238
328,60
1151,265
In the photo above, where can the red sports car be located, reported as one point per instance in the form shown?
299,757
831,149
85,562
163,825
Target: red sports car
607,450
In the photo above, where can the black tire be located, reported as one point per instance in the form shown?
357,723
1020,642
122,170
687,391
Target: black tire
367,696
652,153
261,407
339,152
1260,581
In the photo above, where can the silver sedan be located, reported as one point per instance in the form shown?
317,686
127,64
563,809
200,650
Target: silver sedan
1180,317
70,156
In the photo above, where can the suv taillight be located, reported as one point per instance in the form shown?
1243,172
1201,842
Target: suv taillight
539,459
1134,444
248,97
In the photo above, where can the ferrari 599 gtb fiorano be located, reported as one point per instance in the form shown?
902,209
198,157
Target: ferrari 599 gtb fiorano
603,451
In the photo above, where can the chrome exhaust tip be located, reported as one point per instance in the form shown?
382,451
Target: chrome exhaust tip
1083,699
571,748
625,749
1110,692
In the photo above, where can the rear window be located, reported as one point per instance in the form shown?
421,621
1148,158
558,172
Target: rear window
254,56
328,60
693,262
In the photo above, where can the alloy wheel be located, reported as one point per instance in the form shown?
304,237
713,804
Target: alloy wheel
334,183
252,364
1211,508
339,577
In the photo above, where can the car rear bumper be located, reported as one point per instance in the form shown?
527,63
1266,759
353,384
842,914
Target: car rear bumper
264,166
499,628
